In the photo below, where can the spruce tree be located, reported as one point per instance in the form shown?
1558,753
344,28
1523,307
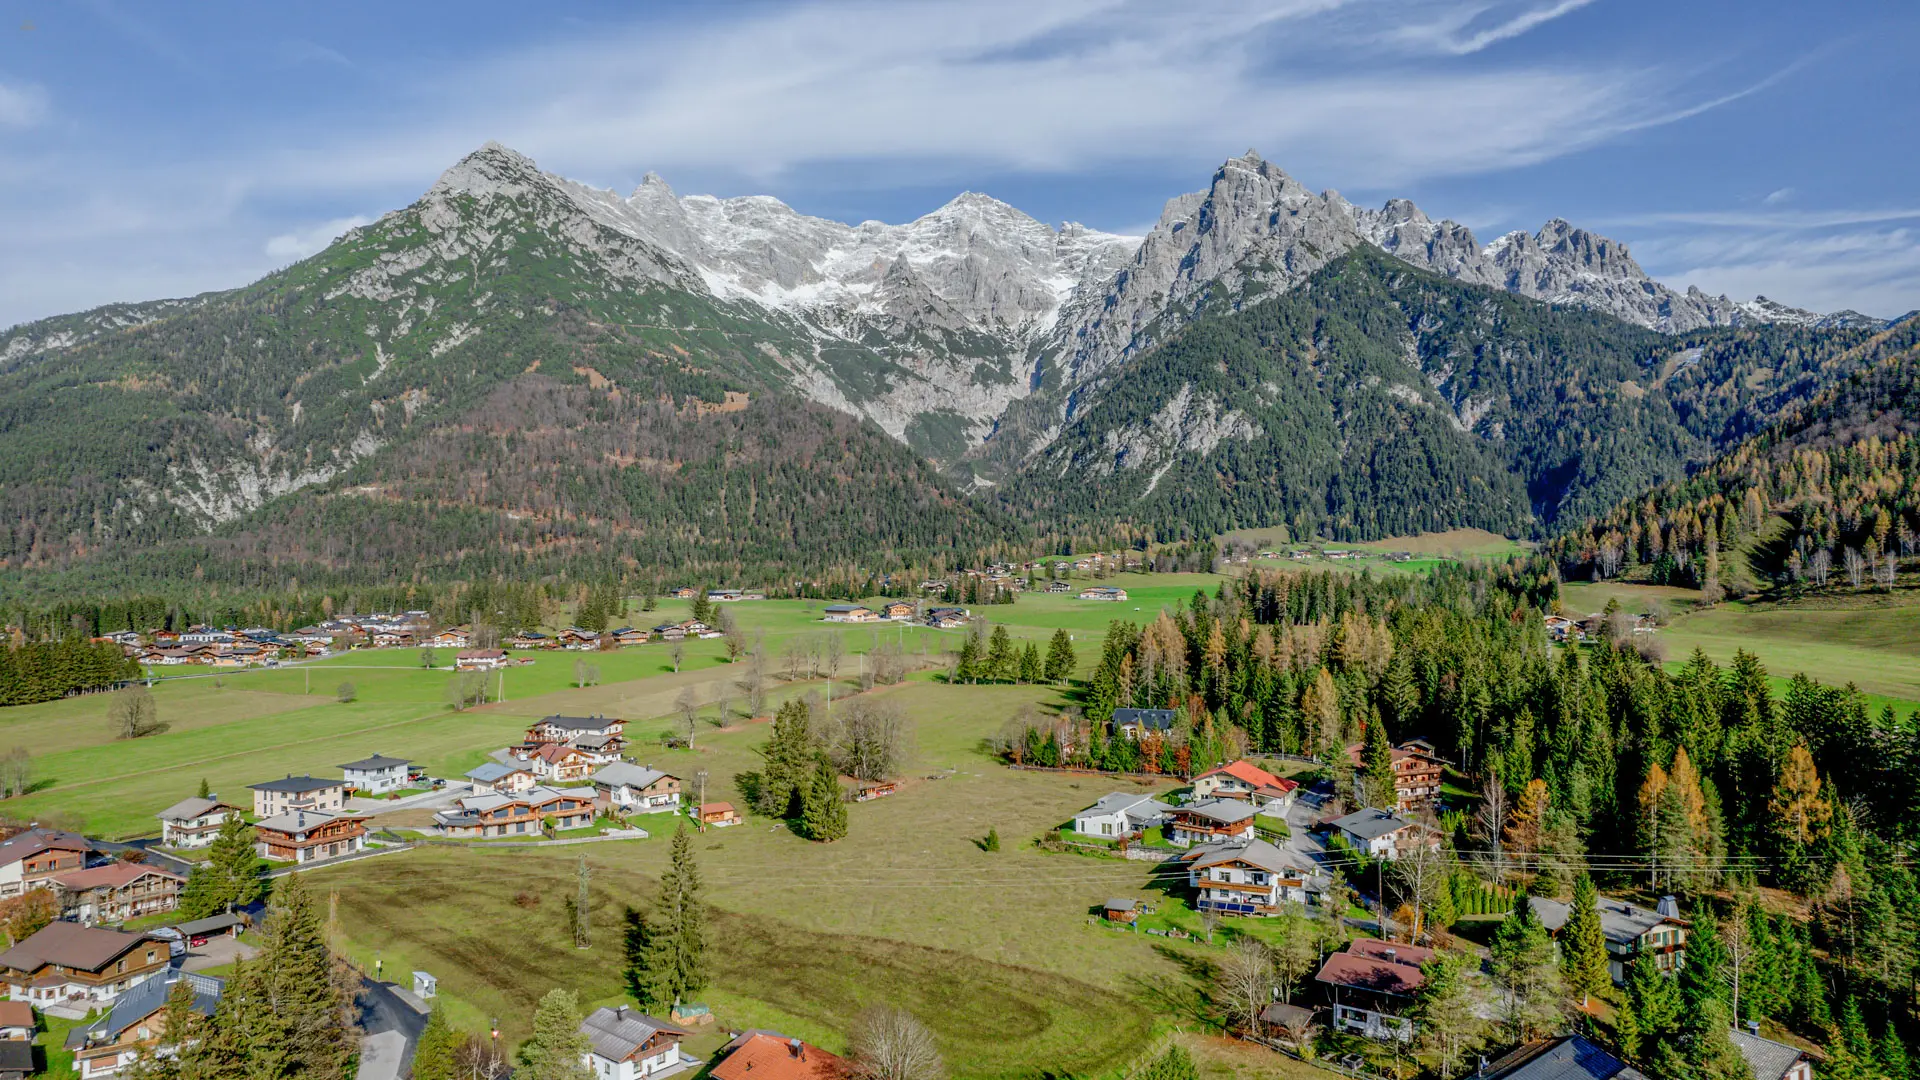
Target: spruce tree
433,1053
967,668
1060,659
1030,664
230,876
789,760
1000,658
825,819
675,939
557,1050
1651,1013
305,1033
1377,765
1524,965
1583,946
206,790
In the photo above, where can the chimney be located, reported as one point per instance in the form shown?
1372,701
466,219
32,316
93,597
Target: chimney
797,1049
621,1012
1753,1028
1393,954
1669,908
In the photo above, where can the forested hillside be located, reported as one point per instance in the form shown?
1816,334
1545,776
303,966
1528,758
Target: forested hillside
1829,492
1378,400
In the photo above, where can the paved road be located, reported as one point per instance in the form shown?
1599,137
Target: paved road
217,952
390,1028
431,800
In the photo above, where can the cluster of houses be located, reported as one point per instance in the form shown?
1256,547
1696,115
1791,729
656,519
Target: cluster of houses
233,646
896,611
627,1044
1593,627
90,881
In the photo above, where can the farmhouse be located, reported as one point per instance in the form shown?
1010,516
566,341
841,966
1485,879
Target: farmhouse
1120,814
479,659
628,635
193,823
275,797
718,814
530,639
1248,782
625,1044
117,892
897,611
502,815
1569,1057
505,778
1416,773
1103,592
1244,878
1212,821
557,762
1372,984
135,1024
303,836
69,962
1057,586
562,729
1133,723
947,618
599,749
853,613
633,789
453,637
1382,835
769,1055
376,775
28,860
1630,930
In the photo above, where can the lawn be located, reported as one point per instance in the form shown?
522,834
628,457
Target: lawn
907,909
1876,648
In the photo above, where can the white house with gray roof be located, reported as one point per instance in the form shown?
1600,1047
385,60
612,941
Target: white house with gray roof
275,797
1383,835
1120,814
627,1044
635,789
376,775
1631,930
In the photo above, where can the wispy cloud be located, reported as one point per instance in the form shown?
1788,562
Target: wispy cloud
301,51
1872,270
22,104
1465,29
1785,219
1778,196
301,243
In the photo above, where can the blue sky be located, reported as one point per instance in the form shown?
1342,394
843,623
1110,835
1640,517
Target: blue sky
156,149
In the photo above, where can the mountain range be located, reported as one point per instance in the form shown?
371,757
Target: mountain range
542,367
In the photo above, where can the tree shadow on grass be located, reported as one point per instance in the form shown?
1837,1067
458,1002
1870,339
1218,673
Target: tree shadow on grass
1180,998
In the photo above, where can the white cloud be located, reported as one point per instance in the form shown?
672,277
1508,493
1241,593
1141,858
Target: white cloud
1453,32
22,105
299,244
1876,271
1778,196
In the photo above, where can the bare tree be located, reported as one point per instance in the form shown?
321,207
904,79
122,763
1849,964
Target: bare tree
1609,557
890,1044
1856,566
734,638
16,772
679,654
132,713
467,688
1490,826
753,680
1886,571
1244,983
835,650
796,651
688,705
723,704
1421,874
1820,567
867,739
477,1058
1296,952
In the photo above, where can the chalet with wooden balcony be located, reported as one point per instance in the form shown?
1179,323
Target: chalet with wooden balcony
136,1024
117,892
1246,878
86,964
522,814
303,836
30,859
1631,930
1247,782
565,729
1416,773
1211,821
1372,984
193,823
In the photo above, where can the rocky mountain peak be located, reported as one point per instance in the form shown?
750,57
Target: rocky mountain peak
491,170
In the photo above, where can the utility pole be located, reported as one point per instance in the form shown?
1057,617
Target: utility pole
700,779
502,695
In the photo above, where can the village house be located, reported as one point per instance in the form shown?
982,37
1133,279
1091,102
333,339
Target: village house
626,1044
718,814
1630,931
1103,592
1416,773
1371,985
193,823
453,637
303,836
530,639
1382,835
16,1022
502,815
503,777
116,892
1248,782
897,611
479,659
628,635
1771,1060
769,1055
392,639
600,749
684,592
556,762
1569,1057
563,729
633,789
671,632
1132,723
135,1024
69,962
1244,878
1059,587
946,618
30,859
275,797
376,775
849,613
577,639
1212,821
1120,814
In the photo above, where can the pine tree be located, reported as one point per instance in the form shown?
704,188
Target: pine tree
1175,1064
1448,1012
1704,1015
1651,1012
1030,663
433,1053
1524,965
1377,762
789,761
999,664
305,1033
1060,659
206,790
1583,946
675,939
967,668
1895,1061
825,818
230,876
557,1050
647,986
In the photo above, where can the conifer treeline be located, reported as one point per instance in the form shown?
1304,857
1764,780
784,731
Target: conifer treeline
33,671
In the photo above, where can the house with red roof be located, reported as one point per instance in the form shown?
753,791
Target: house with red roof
116,892
1372,984
769,1055
1247,782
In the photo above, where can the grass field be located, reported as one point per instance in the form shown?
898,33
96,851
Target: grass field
907,909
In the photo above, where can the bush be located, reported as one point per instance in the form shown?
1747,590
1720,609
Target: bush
346,694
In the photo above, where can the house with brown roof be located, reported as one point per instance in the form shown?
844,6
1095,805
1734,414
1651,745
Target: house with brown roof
479,659
494,814
1371,985
69,962
627,1044
769,1055
1630,930
29,859
193,823
302,836
557,763
117,892
563,729
718,814
453,637
1416,773
1249,877
1211,821
16,1021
